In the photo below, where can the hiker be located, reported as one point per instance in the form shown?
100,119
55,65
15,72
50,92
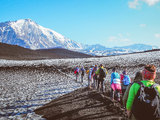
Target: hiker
76,72
115,85
82,73
143,99
125,81
101,72
95,81
90,77
138,77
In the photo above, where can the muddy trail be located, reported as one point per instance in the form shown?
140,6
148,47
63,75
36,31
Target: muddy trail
26,88
83,104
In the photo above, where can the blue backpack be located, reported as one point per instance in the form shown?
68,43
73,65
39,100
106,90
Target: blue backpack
83,70
126,80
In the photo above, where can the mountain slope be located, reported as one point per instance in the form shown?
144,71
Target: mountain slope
19,53
64,53
138,47
100,50
26,33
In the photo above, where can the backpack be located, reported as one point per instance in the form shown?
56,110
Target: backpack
146,105
102,73
126,80
75,72
83,70
93,71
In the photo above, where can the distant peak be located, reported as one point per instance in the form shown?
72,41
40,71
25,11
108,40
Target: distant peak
23,21
26,20
29,20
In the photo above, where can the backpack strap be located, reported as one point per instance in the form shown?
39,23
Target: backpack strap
140,83
154,86
141,89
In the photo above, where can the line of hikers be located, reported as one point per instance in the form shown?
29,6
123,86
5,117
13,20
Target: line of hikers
96,76
140,96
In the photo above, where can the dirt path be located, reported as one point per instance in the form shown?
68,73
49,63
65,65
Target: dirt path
82,104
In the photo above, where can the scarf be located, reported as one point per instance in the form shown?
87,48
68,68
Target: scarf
147,75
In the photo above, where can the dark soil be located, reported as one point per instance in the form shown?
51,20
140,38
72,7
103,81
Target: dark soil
85,104
82,104
14,52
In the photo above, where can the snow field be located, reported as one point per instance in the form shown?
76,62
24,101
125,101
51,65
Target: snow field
23,90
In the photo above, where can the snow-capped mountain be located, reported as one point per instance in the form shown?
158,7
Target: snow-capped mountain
28,34
138,47
100,50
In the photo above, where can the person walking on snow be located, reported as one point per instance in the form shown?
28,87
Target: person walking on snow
138,77
125,81
115,85
101,72
95,81
76,72
90,77
82,73
143,101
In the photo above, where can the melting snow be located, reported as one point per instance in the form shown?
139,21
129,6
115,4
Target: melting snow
25,90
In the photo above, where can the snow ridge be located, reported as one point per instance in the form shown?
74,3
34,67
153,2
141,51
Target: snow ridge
28,34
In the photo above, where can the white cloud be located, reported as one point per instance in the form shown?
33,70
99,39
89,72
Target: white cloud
112,39
135,3
142,25
151,2
157,35
119,38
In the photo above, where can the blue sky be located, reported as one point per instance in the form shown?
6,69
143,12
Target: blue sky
106,22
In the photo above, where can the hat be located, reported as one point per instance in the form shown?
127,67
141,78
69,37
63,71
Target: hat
114,69
124,72
149,72
150,68
100,65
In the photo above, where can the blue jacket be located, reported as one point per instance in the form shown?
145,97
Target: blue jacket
90,73
114,75
77,69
